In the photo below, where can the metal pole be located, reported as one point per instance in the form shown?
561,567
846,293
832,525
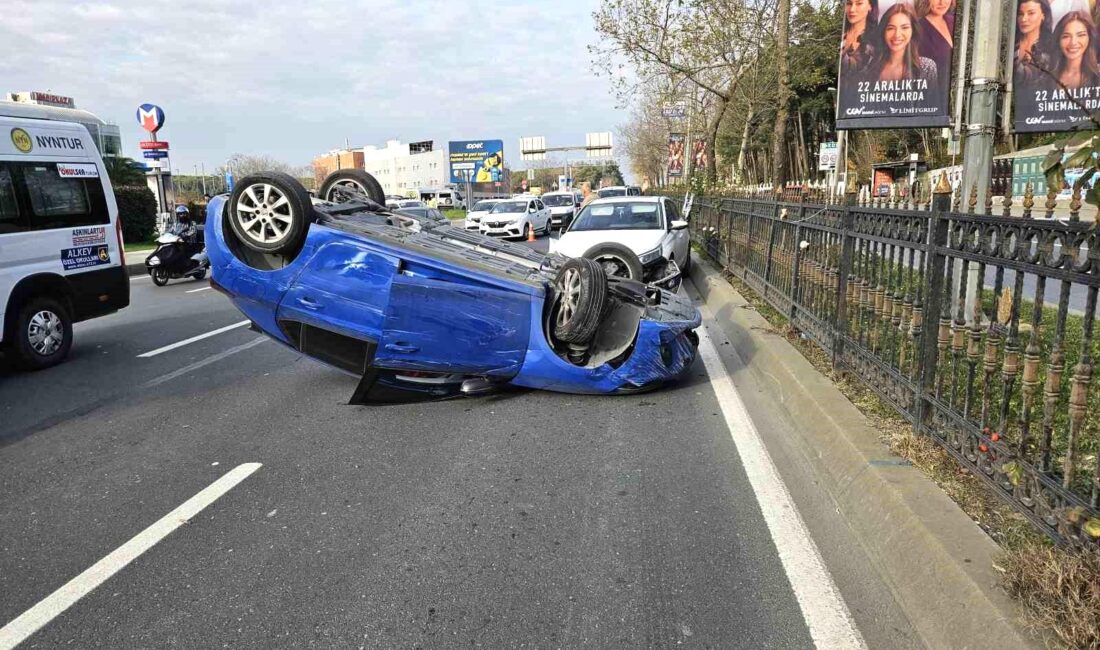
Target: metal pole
203,178
984,87
961,55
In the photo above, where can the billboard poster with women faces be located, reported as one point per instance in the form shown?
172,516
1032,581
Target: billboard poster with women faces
895,64
1056,66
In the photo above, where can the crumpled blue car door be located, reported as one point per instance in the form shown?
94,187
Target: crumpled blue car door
454,327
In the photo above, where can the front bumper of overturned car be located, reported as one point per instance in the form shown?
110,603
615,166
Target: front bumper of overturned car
664,350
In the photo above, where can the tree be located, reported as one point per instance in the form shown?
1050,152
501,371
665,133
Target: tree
783,98
707,44
597,174
244,164
124,172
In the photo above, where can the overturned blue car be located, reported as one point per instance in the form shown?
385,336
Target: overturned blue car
417,308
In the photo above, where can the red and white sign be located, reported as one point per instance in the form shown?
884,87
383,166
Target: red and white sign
77,170
153,144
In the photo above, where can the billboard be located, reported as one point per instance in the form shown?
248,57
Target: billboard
699,151
675,154
1056,74
480,161
895,64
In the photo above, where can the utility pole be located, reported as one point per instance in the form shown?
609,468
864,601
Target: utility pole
985,85
203,165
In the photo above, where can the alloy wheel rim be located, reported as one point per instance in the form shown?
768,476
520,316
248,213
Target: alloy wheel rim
570,287
45,332
264,213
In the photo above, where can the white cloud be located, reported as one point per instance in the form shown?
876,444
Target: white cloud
295,79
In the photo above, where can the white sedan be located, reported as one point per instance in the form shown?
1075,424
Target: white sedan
638,237
517,218
478,212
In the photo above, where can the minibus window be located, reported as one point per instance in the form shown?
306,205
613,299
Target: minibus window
53,196
9,207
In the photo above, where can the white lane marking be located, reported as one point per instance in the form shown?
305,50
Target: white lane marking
180,344
199,289
823,608
139,277
53,605
205,362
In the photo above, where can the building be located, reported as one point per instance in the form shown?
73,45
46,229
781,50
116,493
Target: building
46,106
403,168
327,163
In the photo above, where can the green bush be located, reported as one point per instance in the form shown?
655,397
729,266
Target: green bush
137,211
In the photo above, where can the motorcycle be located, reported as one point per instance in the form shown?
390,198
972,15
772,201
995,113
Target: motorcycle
176,258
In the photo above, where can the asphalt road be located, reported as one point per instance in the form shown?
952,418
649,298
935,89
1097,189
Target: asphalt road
523,519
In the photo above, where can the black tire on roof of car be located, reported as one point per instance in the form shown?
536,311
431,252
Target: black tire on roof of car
355,179
253,195
621,254
582,295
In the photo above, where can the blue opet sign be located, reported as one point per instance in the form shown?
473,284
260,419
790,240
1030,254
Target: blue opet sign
479,161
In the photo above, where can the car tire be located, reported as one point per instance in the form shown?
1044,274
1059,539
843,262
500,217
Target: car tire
160,277
270,203
355,180
526,234
616,260
687,263
582,295
43,314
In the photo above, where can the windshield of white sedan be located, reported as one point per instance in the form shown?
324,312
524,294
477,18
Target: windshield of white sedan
484,206
510,206
619,216
557,200
604,193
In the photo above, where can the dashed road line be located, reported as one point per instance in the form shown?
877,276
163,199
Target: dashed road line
56,603
193,339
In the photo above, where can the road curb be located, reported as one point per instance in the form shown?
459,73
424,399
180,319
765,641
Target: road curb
135,262
937,562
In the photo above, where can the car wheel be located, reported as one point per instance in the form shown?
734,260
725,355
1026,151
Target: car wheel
687,263
526,231
43,334
350,184
160,277
270,212
582,294
617,261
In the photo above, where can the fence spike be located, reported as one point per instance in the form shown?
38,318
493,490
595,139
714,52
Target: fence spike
1075,203
973,198
1052,201
1029,199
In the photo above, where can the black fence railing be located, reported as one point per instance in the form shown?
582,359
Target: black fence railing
977,329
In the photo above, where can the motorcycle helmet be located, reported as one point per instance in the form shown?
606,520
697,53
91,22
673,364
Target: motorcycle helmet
182,213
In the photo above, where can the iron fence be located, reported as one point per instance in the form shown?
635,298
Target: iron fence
977,329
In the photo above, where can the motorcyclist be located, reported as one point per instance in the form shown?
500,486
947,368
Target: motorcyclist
184,228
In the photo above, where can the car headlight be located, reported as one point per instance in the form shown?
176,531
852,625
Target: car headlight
650,256
153,261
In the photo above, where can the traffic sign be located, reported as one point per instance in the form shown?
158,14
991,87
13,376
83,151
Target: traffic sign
150,117
156,153
153,144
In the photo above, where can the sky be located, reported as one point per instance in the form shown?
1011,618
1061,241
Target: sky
295,79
